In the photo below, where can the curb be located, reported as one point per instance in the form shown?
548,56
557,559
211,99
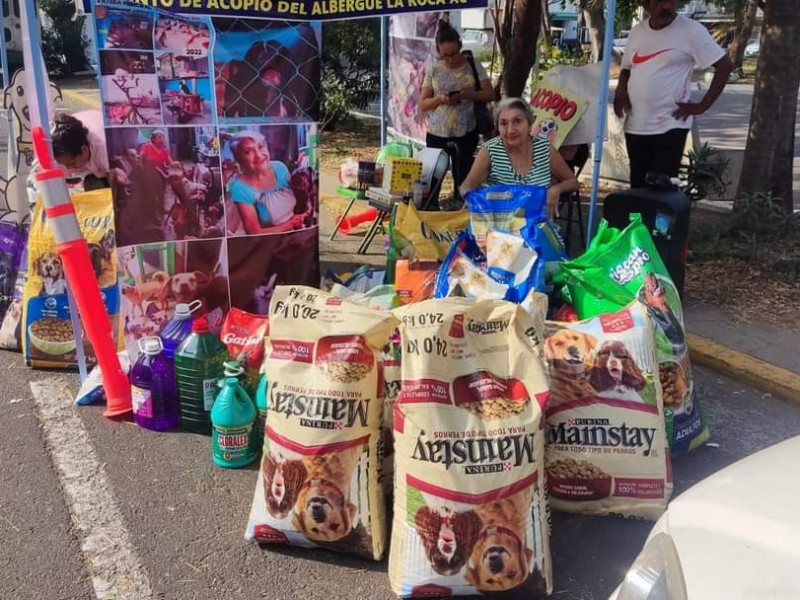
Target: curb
745,368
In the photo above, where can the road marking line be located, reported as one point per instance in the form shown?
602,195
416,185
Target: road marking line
81,98
115,568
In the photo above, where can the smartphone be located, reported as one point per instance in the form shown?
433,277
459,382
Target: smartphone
453,93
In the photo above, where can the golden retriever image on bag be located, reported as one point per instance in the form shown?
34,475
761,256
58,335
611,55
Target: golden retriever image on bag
500,559
570,355
323,511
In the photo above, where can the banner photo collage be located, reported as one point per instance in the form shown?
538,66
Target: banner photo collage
212,142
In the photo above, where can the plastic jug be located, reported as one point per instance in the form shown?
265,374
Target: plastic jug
261,411
178,328
153,390
232,418
199,364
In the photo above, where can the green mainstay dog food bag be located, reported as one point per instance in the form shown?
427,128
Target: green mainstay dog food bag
621,266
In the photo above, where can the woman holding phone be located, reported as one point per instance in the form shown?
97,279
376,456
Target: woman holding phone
448,93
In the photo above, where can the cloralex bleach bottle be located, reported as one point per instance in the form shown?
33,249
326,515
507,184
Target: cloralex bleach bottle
261,411
232,419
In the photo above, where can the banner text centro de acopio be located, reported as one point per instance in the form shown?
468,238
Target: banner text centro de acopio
309,10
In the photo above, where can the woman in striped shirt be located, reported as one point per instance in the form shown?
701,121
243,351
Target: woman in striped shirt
517,157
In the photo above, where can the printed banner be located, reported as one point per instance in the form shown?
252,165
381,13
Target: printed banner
557,111
411,50
212,141
309,10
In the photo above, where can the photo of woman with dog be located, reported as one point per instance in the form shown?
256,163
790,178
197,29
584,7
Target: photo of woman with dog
267,70
269,185
166,186
154,278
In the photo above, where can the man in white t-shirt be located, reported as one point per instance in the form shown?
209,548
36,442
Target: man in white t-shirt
653,92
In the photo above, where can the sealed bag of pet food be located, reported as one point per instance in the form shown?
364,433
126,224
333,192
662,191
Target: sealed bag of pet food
48,340
319,483
517,209
607,451
618,267
470,511
13,274
243,333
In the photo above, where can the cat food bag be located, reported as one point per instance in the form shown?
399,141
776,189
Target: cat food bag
48,339
319,483
243,333
607,451
13,256
618,267
470,511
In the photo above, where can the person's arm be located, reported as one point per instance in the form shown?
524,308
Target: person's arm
722,70
485,94
622,102
253,226
478,173
564,181
429,102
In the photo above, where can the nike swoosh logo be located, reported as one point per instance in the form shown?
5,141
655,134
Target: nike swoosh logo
641,58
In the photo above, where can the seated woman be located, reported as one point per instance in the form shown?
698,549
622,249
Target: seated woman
261,189
517,157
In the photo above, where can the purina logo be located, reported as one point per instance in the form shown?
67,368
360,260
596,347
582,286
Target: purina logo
50,303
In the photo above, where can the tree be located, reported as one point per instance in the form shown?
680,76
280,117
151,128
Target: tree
745,19
769,154
517,24
351,63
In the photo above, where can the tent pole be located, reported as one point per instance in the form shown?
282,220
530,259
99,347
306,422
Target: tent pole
383,82
608,42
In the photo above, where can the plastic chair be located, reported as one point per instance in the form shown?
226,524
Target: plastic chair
572,200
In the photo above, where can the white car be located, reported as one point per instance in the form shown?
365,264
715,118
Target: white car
752,49
733,536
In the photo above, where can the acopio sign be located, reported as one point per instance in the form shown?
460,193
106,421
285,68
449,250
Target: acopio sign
561,107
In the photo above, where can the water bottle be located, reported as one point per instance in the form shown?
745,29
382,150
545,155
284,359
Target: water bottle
153,390
232,418
261,411
178,328
199,364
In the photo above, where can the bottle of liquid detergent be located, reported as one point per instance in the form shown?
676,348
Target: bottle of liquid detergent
153,390
199,364
232,419
178,328
261,412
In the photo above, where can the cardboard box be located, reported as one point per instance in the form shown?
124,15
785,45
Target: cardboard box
400,174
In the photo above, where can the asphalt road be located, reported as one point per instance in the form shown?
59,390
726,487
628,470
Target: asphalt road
182,520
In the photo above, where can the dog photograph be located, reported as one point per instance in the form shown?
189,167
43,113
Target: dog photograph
259,264
659,295
154,278
615,373
271,183
570,357
283,475
186,100
447,532
166,186
267,70
118,28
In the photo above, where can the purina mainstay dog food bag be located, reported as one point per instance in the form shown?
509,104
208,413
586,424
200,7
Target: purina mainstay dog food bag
48,340
470,512
319,480
607,450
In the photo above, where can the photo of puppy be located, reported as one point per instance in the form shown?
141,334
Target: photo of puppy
283,479
500,559
149,290
50,268
185,288
323,512
570,356
615,373
448,536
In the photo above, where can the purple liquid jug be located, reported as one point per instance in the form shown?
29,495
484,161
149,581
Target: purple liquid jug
153,390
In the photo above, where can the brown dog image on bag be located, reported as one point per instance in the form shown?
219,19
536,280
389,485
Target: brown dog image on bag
323,511
283,480
615,373
448,536
500,560
570,356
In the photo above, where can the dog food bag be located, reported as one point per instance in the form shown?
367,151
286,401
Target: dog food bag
48,340
618,267
12,283
607,450
243,333
319,483
470,511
